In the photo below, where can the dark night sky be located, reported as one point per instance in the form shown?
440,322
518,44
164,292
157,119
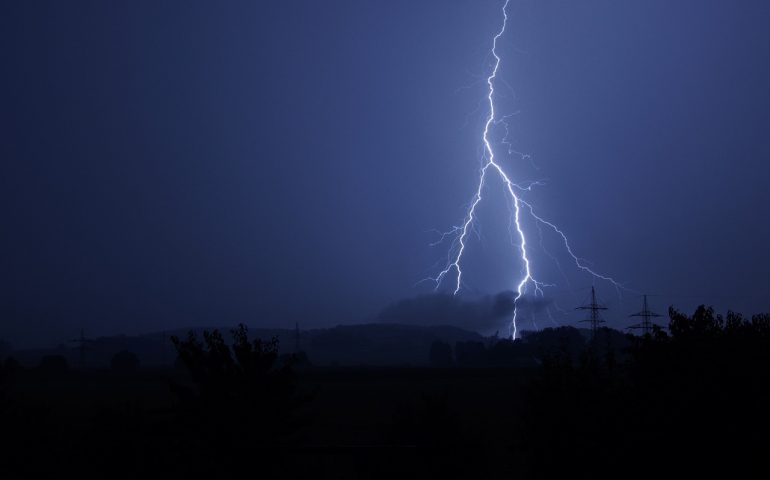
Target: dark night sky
179,163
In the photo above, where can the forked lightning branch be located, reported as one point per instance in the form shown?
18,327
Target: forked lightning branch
491,166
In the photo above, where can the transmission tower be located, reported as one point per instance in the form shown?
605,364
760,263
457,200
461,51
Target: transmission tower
594,318
646,314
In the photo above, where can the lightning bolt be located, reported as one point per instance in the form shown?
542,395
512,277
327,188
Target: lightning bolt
490,164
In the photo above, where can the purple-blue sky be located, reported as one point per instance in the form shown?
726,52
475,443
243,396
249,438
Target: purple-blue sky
179,163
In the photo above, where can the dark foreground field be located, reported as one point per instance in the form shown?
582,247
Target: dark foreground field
692,401
355,421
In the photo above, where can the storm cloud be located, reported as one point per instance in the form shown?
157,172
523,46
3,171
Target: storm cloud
484,314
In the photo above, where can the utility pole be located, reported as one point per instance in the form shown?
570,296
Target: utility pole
646,314
82,346
594,318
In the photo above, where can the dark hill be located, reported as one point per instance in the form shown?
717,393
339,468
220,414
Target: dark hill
366,344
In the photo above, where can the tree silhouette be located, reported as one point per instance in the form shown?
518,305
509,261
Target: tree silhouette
441,354
240,401
695,396
124,362
53,366
471,354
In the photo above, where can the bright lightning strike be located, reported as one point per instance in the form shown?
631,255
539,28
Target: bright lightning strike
490,163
